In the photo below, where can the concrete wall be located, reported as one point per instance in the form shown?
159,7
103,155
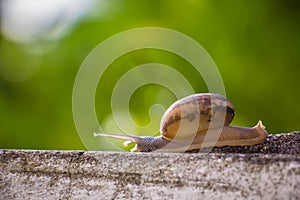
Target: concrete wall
104,175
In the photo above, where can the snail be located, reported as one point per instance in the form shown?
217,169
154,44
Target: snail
194,122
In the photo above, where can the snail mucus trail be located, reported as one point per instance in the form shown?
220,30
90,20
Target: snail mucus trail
194,122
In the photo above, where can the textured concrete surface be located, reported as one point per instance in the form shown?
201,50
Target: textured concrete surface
28,174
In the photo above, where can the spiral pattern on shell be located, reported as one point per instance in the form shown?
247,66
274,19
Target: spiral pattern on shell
198,112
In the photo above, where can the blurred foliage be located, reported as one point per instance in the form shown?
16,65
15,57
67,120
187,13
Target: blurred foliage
255,45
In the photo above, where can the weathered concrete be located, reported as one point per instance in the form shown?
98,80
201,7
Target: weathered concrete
104,175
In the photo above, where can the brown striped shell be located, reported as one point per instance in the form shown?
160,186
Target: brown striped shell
194,114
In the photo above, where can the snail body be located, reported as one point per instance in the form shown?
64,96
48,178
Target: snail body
194,122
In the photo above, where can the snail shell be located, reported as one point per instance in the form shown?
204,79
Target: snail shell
194,122
198,111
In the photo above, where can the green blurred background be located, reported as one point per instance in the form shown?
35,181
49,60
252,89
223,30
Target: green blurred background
255,44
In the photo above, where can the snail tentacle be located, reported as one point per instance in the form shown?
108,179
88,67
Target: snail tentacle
143,143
